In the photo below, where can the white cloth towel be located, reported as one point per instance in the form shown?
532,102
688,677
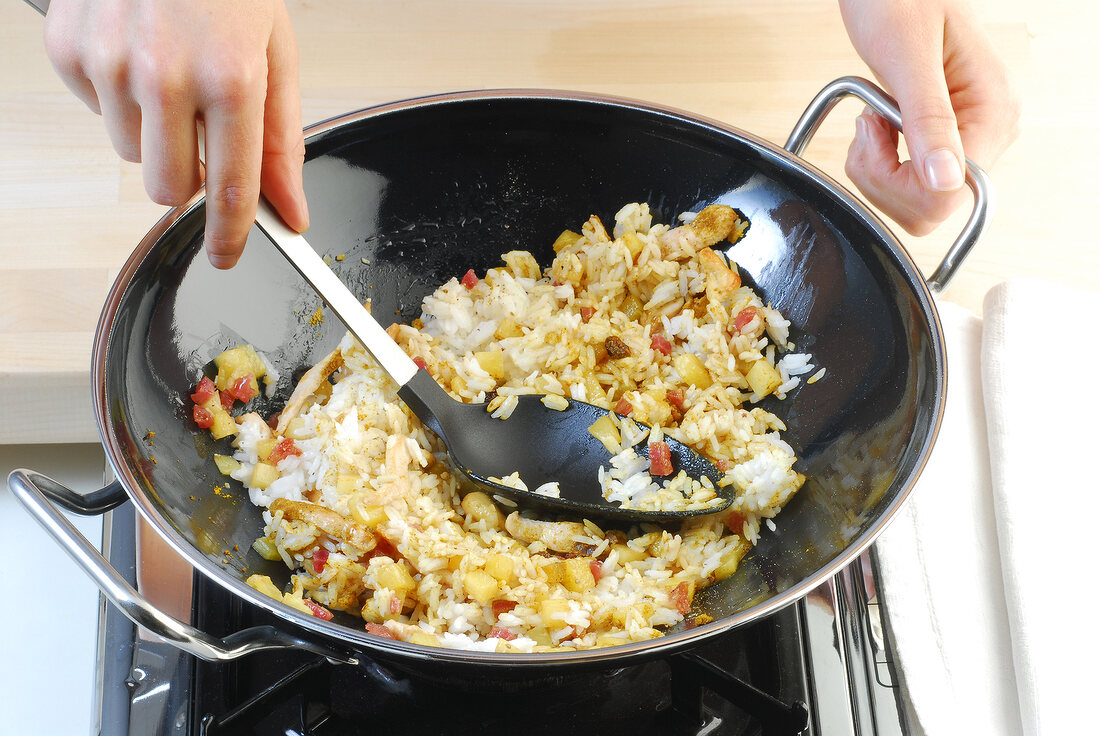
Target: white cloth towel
988,572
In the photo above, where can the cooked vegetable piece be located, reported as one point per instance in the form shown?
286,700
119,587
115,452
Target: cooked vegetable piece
692,370
492,362
236,363
226,464
606,432
763,378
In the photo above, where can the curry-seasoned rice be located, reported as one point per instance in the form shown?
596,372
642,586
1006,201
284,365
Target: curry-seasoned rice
647,320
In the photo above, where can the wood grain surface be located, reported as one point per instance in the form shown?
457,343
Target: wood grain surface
71,211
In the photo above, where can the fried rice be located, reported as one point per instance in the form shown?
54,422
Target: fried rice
647,320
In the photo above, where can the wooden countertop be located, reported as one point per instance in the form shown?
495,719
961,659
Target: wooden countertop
71,211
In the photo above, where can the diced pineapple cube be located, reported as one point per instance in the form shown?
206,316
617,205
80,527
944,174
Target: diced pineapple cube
633,243
263,584
238,362
578,575
552,610
540,636
481,586
223,425
263,475
606,432
692,370
266,549
295,601
500,567
555,572
265,445
567,238
423,638
508,327
763,378
492,362
226,464
628,553
368,515
396,577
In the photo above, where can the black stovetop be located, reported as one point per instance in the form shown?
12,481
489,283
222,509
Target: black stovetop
817,667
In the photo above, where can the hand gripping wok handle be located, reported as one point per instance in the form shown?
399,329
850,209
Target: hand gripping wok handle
885,106
30,489
327,284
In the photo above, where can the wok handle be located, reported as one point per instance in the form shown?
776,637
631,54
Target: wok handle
35,490
885,106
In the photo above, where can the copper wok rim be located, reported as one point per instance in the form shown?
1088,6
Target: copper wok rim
389,648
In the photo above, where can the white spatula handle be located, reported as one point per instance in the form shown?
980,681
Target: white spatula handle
339,298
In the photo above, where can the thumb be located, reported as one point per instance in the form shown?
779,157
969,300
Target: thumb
932,132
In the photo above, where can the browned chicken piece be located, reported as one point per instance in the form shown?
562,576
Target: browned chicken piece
556,535
722,281
308,386
328,521
714,223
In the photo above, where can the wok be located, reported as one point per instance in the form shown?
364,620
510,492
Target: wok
414,192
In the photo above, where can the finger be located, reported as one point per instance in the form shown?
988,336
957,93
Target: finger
928,119
284,143
893,186
122,117
169,153
234,147
63,50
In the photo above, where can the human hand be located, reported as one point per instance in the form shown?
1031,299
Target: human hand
954,95
166,73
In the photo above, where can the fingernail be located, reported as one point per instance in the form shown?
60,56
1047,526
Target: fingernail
221,260
944,172
862,133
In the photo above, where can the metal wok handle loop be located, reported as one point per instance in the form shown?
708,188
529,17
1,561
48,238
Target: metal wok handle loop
30,487
885,106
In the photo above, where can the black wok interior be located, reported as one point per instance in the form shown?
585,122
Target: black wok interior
414,195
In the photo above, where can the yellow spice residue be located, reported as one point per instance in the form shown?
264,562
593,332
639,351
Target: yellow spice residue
317,317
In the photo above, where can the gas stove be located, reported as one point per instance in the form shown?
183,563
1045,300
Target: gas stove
819,667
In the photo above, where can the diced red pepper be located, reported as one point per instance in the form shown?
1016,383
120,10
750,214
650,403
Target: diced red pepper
735,522
203,417
597,569
226,398
660,343
743,317
243,389
660,459
273,420
681,598
623,407
586,314
320,557
204,391
318,611
502,606
470,279
284,449
379,630
420,362
675,397
500,632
